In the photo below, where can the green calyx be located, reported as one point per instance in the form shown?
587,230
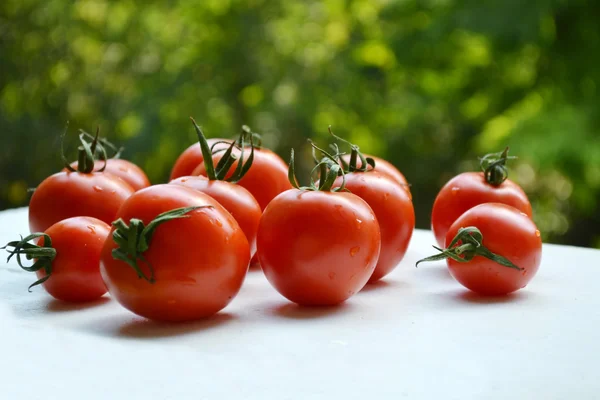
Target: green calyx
134,239
86,153
328,170
470,246
493,166
44,255
355,157
219,172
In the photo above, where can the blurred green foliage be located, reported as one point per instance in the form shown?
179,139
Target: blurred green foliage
428,84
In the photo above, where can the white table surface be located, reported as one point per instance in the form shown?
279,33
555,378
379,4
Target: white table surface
417,335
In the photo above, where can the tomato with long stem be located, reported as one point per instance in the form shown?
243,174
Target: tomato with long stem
492,249
174,254
237,200
84,192
191,157
318,245
67,258
469,189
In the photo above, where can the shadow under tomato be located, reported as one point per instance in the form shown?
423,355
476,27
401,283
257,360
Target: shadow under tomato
58,306
148,329
468,296
295,311
382,285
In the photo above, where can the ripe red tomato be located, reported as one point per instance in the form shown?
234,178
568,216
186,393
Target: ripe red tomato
468,190
72,273
385,168
72,194
506,232
124,169
191,158
318,248
394,210
198,262
266,178
234,198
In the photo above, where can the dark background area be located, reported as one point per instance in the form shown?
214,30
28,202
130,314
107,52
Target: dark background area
429,85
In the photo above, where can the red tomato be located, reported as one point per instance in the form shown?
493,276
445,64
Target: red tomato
234,198
191,158
394,210
507,232
318,248
74,271
199,261
467,190
72,194
385,168
126,170
266,178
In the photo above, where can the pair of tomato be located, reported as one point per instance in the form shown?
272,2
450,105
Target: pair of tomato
482,223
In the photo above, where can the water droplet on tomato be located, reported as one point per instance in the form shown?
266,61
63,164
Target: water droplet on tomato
219,223
332,275
522,213
538,233
455,190
524,272
354,250
92,229
358,223
97,188
184,180
386,196
113,192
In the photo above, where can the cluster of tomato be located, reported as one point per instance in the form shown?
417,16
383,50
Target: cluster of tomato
180,251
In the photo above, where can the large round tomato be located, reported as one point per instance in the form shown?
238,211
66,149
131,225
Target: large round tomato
124,169
191,158
394,210
385,168
467,190
72,194
266,178
72,272
198,262
237,200
506,232
318,248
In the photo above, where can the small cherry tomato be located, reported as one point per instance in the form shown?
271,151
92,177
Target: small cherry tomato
124,169
492,249
394,210
266,178
186,260
72,194
192,157
472,188
318,247
67,258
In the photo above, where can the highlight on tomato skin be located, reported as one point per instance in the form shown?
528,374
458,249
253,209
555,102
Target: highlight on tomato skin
187,266
67,258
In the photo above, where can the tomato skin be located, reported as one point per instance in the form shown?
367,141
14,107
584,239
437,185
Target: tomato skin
266,178
75,275
467,190
124,169
72,194
199,262
318,248
191,158
385,168
506,232
395,213
234,198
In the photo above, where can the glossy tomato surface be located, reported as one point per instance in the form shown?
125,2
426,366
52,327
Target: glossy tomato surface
237,200
73,194
124,169
467,190
191,158
385,167
199,261
394,210
75,275
318,248
506,232
267,177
